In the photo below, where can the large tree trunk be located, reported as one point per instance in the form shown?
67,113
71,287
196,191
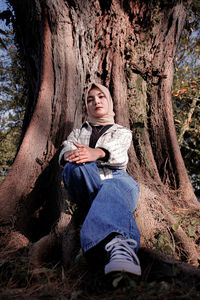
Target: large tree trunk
127,45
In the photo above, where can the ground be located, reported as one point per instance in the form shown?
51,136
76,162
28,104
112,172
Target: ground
162,278
166,271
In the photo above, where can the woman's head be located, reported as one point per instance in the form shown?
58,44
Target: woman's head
99,105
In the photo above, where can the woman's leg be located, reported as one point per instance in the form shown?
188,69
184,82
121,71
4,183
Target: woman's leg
82,182
111,211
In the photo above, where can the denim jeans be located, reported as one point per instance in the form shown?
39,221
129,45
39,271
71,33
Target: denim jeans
111,202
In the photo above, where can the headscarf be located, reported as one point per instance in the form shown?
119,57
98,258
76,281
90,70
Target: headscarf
109,117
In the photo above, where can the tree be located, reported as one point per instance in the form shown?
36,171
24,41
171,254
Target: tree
186,95
129,47
13,96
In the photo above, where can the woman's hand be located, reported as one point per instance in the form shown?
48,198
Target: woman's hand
83,154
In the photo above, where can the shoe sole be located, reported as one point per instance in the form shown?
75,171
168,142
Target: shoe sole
124,266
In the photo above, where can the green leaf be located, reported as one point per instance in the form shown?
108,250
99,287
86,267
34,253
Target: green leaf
191,231
195,222
116,281
175,227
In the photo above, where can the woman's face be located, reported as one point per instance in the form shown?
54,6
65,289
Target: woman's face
97,103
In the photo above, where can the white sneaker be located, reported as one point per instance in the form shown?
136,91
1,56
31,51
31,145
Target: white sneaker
122,256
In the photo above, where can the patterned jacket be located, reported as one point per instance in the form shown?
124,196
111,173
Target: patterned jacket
116,140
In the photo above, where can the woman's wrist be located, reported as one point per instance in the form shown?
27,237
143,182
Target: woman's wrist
101,153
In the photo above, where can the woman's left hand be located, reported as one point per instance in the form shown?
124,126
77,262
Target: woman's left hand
85,154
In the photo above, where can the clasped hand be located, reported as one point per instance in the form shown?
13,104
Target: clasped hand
83,154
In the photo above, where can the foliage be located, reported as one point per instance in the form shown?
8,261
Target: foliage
191,222
165,240
12,98
186,95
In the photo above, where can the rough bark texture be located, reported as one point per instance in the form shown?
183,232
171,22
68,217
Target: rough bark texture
127,45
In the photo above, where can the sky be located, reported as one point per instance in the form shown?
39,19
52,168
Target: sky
3,5
3,56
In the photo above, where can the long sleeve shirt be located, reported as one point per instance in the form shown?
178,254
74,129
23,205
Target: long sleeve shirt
116,141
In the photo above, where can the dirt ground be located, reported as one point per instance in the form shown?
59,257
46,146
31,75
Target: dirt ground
162,278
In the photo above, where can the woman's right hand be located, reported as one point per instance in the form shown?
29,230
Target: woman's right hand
83,154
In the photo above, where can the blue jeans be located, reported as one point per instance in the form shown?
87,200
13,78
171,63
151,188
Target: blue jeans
111,202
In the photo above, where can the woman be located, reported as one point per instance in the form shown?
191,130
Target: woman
95,158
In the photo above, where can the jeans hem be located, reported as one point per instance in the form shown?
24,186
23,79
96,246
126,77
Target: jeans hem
95,243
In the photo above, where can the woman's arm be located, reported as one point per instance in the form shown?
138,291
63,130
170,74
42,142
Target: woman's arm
117,144
68,145
84,154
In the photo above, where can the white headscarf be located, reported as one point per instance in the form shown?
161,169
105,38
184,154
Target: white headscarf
109,117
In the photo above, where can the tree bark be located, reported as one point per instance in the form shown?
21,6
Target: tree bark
129,47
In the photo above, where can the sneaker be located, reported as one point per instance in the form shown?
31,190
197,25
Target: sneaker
122,256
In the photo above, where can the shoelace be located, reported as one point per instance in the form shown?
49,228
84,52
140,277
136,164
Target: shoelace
121,248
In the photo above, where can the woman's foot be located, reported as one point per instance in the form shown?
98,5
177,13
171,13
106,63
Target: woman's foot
122,256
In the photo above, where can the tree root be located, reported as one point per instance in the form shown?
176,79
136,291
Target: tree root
188,244
155,214
60,244
158,266
12,242
48,248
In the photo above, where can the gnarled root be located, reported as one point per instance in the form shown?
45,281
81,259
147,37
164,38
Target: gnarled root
48,248
157,214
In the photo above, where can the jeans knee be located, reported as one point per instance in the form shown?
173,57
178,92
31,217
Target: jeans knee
71,170
76,172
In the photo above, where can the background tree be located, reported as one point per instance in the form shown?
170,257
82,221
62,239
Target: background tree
186,95
12,97
129,47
